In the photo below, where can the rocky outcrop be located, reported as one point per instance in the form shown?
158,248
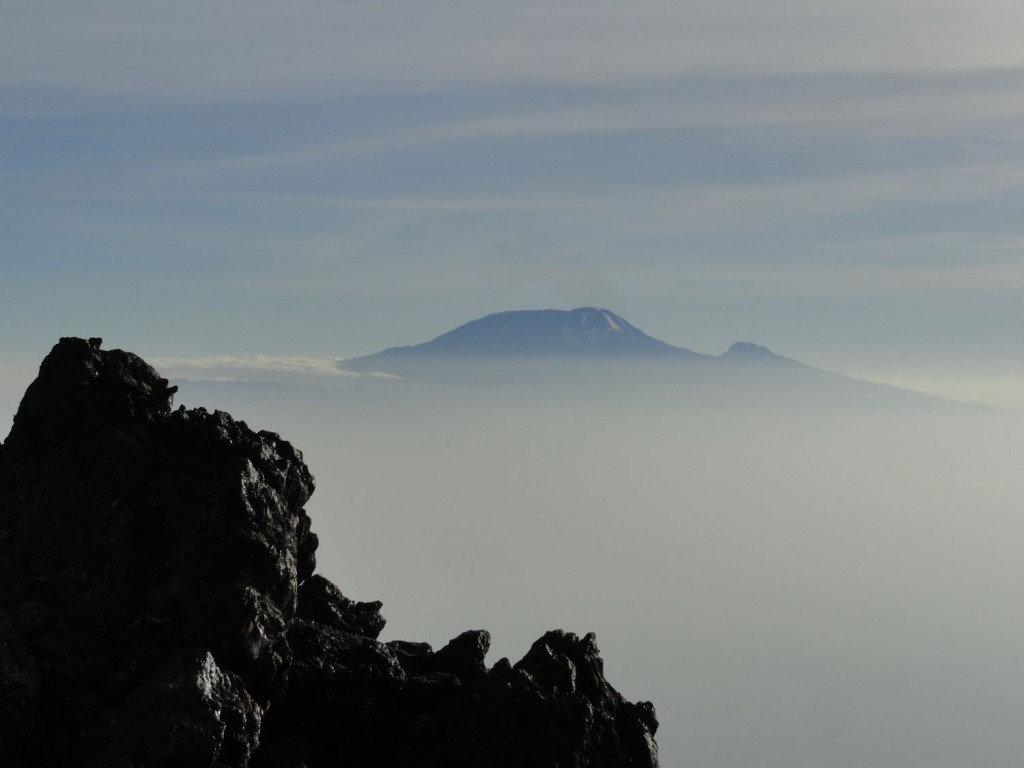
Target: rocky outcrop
159,607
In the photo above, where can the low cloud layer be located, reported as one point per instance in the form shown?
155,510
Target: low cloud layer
791,586
292,369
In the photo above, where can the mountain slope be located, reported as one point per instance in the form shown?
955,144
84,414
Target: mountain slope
586,332
590,349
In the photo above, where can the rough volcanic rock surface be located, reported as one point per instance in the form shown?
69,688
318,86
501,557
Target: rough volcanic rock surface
159,607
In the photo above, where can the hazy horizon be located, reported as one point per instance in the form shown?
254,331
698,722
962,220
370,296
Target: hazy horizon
789,584
999,384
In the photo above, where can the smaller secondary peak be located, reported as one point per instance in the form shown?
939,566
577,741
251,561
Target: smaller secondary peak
745,351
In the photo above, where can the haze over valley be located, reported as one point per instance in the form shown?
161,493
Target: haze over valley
797,568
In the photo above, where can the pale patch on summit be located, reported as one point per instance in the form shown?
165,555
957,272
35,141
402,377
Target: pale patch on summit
611,322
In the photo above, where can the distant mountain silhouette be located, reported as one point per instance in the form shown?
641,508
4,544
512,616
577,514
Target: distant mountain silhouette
592,348
586,332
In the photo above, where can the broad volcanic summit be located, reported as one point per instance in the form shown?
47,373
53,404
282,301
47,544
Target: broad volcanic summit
542,334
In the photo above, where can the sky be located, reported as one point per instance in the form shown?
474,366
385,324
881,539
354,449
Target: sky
262,189
838,181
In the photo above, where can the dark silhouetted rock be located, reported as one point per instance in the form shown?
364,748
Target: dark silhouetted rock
464,655
159,607
322,601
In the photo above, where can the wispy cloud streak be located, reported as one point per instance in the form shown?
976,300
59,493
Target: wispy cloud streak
194,48
258,368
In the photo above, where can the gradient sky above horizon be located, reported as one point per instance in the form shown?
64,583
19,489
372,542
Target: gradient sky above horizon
841,182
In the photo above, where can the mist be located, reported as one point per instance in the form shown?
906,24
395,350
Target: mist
793,581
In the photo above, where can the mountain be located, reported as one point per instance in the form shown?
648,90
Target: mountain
583,333
594,349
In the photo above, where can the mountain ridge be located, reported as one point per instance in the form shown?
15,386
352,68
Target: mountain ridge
584,332
597,348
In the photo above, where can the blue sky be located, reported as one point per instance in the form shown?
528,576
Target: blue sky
841,182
